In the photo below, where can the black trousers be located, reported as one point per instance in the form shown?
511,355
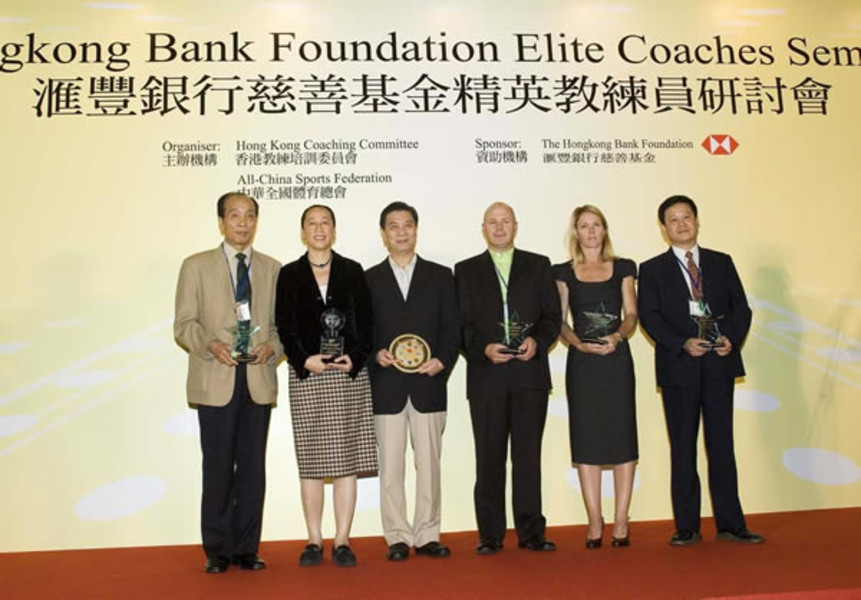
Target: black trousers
520,415
233,441
713,400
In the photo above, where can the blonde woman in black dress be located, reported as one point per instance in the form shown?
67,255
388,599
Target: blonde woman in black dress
330,396
597,289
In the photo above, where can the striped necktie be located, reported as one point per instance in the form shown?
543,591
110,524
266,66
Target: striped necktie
696,280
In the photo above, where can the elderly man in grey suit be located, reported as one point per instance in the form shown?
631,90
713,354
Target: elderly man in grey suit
225,320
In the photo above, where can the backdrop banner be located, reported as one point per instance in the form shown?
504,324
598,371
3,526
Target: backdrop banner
123,122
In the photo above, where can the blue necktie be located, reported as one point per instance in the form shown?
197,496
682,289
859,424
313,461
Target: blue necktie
243,279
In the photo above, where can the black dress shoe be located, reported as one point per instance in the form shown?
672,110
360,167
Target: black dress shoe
249,562
398,551
685,537
434,549
311,556
743,536
343,556
487,547
538,545
217,564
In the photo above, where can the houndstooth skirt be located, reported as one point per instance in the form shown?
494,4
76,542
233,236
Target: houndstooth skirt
333,425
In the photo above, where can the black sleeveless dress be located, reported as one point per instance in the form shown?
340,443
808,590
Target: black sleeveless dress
602,415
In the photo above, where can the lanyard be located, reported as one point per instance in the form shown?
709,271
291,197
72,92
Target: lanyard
501,278
230,271
505,300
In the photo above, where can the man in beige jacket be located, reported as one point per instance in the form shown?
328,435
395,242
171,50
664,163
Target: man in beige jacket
232,386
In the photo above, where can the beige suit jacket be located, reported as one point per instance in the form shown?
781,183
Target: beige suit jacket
205,309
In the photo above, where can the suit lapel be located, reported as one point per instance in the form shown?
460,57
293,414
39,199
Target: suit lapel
310,282
515,274
221,269
218,289
419,274
258,278
675,276
392,289
491,272
706,269
258,283
493,286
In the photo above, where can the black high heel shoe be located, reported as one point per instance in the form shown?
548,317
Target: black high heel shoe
595,543
622,542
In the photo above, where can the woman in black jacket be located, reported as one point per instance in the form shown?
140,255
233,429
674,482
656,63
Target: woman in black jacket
323,314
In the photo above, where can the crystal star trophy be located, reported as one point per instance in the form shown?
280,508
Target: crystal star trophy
597,324
707,328
242,332
515,334
331,340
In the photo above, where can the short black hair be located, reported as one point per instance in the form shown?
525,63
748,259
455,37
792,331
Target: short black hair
397,205
666,204
312,207
222,201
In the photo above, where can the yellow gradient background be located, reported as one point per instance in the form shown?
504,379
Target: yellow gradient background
97,446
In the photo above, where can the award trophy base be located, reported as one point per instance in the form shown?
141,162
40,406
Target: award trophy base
332,347
597,341
515,351
710,344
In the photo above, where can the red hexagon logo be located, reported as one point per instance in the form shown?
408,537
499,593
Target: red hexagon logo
720,144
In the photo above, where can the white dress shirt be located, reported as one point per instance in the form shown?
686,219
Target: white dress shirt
403,275
683,264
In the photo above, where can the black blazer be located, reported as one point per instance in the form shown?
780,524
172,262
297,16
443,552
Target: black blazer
665,315
430,311
299,305
532,293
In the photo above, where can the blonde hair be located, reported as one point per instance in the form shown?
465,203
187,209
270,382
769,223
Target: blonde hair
574,249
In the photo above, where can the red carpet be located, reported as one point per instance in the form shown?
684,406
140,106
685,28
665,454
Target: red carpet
811,555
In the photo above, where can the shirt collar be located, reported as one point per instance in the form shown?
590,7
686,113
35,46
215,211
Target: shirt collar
504,257
410,265
680,254
232,252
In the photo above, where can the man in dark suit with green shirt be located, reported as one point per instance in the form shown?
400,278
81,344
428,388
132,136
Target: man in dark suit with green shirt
510,317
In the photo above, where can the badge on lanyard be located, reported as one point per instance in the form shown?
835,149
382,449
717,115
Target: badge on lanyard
699,308
243,310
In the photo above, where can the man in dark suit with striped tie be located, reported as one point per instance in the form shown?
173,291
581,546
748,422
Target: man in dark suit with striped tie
692,304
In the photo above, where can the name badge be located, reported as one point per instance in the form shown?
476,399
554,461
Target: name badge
697,308
243,311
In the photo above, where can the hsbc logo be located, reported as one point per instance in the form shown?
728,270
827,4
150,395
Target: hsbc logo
720,144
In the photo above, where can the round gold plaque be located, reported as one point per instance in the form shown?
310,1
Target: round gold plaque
410,351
